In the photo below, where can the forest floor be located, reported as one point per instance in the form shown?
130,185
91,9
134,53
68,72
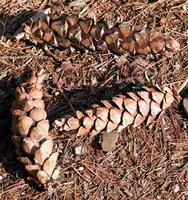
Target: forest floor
148,163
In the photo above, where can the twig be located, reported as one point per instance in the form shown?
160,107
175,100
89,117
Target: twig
93,172
109,157
80,174
152,5
183,85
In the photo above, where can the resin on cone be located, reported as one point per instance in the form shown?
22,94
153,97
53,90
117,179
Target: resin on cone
30,128
84,34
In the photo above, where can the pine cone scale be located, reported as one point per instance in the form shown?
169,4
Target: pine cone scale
150,119
115,115
131,106
88,122
111,126
82,131
102,113
100,124
118,101
127,119
155,108
138,120
86,25
144,107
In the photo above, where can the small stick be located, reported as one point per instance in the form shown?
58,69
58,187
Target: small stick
183,85
80,174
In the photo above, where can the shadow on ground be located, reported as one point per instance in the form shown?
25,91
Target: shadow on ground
7,154
10,24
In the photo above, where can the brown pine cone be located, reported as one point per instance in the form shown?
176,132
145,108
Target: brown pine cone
116,114
85,34
30,128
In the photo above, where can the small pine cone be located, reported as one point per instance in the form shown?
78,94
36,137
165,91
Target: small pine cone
30,128
144,105
85,34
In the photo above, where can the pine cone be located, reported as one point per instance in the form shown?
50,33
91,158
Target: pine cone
30,131
123,110
85,34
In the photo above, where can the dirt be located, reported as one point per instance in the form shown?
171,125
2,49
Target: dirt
147,162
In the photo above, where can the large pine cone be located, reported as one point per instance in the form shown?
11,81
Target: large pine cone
144,105
85,34
30,130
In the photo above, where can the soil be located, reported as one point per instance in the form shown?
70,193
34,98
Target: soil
147,163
